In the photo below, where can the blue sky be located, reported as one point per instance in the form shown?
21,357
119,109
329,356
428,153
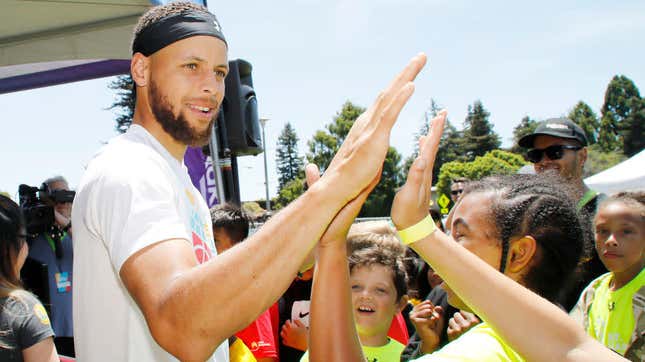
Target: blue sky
537,59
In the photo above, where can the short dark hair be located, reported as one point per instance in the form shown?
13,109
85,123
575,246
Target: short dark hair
539,206
232,219
158,13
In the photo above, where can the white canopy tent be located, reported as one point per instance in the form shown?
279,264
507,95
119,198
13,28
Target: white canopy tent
628,175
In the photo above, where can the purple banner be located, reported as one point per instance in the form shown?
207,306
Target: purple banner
200,169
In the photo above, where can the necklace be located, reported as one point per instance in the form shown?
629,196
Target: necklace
611,305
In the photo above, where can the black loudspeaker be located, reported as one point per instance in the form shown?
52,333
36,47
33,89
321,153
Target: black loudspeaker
240,110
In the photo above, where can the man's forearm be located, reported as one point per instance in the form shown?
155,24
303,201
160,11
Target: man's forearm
227,293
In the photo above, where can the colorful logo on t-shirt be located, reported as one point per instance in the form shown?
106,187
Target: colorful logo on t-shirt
255,346
203,244
201,249
41,314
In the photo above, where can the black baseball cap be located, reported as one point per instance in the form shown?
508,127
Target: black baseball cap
556,127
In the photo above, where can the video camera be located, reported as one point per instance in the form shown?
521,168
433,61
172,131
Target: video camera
38,206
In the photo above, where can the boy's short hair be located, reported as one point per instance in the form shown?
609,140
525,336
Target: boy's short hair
368,233
375,243
232,219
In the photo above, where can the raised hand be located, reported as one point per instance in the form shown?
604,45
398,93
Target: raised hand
428,320
412,200
360,157
337,230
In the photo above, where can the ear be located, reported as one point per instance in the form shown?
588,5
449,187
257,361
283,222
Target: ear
521,252
139,69
583,156
403,302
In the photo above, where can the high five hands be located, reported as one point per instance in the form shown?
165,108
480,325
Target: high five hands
412,201
360,158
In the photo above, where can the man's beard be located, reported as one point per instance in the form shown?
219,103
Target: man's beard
176,126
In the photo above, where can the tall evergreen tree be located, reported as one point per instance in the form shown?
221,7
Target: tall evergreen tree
451,145
587,119
478,131
526,126
289,163
125,101
623,114
607,136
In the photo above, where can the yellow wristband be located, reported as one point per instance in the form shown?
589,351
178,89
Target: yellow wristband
417,231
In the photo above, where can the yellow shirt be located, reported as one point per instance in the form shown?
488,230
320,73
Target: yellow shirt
479,344
239,352
611,316
391,352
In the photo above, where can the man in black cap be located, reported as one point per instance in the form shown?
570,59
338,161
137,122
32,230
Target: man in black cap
559,145
149,283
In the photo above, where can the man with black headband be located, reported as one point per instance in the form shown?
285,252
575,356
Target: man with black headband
149,285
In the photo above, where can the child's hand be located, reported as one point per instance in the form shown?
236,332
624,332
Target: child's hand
294,334
411,202
429,321
460,323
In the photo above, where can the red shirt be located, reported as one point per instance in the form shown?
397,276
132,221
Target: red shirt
398,331
259,337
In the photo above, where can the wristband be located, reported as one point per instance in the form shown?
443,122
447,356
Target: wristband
304,268
417,231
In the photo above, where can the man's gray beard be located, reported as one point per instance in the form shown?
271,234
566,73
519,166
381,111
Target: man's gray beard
176,126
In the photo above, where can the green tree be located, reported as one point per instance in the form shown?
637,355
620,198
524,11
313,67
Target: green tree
125,101
289,192
478,131
496,162
451,145
379,202
632,128
324,144
289,163
526,126
607,138
623,116
587,119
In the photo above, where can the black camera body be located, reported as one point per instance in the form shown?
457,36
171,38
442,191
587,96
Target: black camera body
38,206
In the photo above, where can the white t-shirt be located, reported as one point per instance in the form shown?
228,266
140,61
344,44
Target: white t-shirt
133,194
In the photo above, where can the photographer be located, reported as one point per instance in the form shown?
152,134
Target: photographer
53,248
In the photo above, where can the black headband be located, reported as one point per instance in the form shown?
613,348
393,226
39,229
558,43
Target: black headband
176,27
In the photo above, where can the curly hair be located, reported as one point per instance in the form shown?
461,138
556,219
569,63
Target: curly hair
539,206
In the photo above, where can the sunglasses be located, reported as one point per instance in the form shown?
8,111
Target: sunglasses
456,192
552,152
